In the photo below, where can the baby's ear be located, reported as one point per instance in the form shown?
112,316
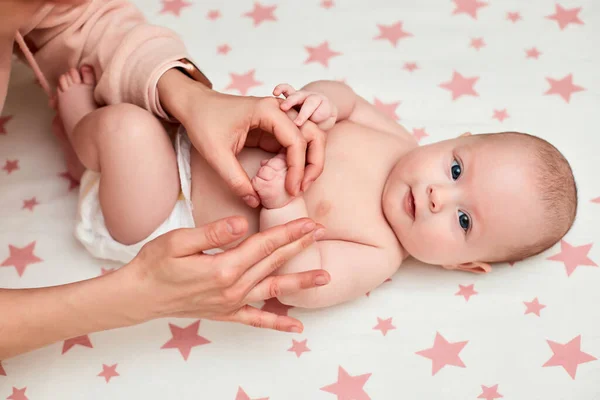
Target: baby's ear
474,267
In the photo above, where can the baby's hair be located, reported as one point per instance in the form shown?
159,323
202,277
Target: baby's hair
557,190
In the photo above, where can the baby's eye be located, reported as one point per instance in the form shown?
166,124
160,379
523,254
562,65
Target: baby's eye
455,169
464,221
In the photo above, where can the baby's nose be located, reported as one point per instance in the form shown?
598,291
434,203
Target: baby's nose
437,198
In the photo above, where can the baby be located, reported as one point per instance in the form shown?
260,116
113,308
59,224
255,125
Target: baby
462,203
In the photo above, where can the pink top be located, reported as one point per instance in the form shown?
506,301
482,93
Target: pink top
128,54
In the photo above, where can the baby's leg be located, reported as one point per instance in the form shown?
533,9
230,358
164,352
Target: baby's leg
139,183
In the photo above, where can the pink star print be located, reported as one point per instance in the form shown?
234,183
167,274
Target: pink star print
223,49
513,16
20,258
243,82
565,16
477,43
393,33
321,54
241,395
489,393
468,7
573,256
387,108
532,53
563,87
384,325
174,6
460,86
500,115
596,200
568,355
348,387
185,338
11,165
299,347
466,291
443,353
213,15
533,307
410,66
2,371
108,372
276,307
104,271
3,122
419,134
327,4
83,340
18,394
30,204
261,13
73,183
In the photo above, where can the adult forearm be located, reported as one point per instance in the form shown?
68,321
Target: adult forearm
176,90
33,318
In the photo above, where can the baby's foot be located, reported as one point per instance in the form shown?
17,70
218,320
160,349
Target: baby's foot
269,182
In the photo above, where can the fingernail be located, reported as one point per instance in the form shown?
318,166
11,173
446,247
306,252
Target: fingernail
319,233
296,329
307,227
321,280
252,201
234,226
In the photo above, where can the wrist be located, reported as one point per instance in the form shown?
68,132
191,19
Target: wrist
176,90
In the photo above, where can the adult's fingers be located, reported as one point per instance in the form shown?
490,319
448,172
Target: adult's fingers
252,316
188,241
226,164
281,285
315,155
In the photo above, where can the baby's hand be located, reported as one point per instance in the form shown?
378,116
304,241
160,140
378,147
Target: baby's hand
315,106
269,182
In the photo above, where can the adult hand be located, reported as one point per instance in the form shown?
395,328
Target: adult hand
219,125
175,278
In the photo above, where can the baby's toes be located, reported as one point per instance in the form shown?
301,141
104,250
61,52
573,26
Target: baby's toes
278,163
266,172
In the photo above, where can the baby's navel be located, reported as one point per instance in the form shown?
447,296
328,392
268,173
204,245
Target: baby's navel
323,208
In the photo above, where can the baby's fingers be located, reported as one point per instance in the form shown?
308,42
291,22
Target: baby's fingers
308,108
284,88
294,100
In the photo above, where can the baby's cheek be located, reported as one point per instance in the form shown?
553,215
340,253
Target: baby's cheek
432,245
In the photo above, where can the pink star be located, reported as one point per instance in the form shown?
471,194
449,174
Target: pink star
18,394
564,87
3,122
533,53
274,306
489,393
477,43
393,33
243,82
30,204
327,4
443,353
460,86
174,6
500,115
596,200
466,291
83,340
568,355
223,49
573,256
185,338
533,307
104,271
348,387
73,183
261,14
419,134
108,372
321,54
384,325
410,66
213,15
468,7
299,347
565,16
11,166
2,371
20,258
388,108
241,395
513,16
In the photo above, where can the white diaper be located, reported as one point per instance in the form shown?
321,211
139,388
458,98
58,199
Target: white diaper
91,230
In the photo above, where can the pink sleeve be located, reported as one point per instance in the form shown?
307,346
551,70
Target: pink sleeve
128,54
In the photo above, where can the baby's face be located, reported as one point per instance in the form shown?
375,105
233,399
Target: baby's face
463,200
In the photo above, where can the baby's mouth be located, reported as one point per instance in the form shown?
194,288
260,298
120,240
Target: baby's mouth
409,204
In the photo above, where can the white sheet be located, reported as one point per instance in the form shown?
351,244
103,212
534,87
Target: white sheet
504,345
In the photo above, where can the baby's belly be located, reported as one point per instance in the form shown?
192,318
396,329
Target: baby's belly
213,200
